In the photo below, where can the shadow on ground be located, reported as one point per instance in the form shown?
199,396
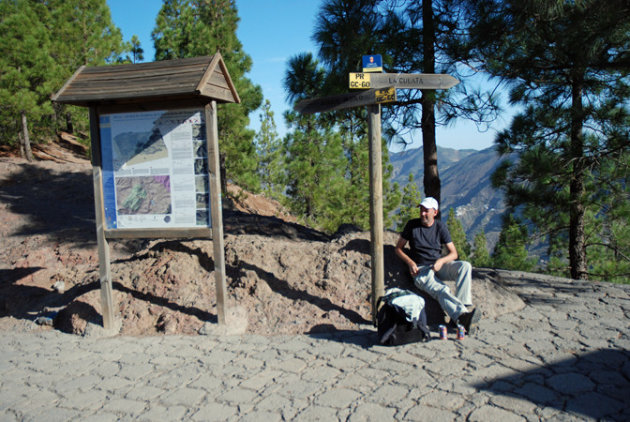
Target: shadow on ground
595,385
52,202
30,303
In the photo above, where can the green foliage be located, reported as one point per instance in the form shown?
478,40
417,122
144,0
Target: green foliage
392,197
338,148
346,30
190,28
270,158
25,61
355,204
608,237
480,254
137,52
409,203
458,236
82,33
315,187
567,64
41,45
510,252
411,37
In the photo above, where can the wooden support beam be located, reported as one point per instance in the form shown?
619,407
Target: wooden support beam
105,275
216,212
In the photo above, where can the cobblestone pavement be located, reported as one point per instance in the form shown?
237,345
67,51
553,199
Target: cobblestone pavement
566,356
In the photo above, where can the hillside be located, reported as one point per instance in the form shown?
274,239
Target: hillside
282,278
465,177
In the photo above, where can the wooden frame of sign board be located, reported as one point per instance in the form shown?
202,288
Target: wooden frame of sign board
169,85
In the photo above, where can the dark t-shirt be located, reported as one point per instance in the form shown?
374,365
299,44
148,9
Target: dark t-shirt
425,242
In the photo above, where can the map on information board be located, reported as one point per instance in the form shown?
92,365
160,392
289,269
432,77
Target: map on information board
155,169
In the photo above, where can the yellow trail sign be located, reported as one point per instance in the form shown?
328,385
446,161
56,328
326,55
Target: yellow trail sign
348,100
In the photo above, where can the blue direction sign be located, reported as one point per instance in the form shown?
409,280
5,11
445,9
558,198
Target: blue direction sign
373,63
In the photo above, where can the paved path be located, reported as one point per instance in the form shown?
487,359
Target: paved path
566,356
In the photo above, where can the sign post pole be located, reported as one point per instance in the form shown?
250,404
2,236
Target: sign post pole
376,205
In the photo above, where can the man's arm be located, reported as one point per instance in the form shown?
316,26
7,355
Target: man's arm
413,268
451,256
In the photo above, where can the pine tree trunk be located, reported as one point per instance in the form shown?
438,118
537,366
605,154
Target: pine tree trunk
577,249
432,185
223,174
69,125
25,140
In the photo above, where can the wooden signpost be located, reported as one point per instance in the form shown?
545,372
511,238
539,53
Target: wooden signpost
373,98
349,100
402,80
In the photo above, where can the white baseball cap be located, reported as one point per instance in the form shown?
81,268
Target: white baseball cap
429,203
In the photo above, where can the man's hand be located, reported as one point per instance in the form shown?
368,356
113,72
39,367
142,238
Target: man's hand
452,256
437,266
413,269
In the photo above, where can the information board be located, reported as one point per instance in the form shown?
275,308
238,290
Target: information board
155,169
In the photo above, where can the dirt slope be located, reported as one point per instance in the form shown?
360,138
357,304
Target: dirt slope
283,278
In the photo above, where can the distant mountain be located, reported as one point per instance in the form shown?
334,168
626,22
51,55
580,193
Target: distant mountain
465,177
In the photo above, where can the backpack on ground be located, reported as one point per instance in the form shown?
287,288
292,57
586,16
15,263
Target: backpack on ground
402,318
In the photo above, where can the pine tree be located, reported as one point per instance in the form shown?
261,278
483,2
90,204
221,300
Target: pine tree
608,238
609,250
25,60
411,37
409,203
306,79
458,235
480,254
136,49
190,28
269,151
82,33
41,45
567,65
315,186
510,252
356,204
391,191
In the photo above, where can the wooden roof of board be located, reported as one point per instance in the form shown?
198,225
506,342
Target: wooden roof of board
199,78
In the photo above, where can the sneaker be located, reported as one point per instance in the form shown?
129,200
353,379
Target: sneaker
469,320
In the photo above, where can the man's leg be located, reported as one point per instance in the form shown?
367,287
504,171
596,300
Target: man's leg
461,273
427,282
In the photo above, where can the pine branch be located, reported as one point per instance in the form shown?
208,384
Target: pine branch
613,248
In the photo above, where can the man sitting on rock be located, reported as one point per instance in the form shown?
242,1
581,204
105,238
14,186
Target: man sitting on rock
428,268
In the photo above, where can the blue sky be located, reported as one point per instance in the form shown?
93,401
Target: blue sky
273,31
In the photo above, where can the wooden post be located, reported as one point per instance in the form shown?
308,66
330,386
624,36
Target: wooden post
105,275
376,204
212,135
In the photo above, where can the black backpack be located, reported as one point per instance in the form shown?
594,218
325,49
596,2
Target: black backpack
393,326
